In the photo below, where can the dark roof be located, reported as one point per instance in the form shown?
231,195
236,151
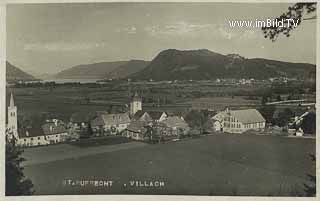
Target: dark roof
36,131
137,126
136,97
111,119
30,132
138,114
155,115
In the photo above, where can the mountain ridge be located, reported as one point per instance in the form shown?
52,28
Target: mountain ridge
15,74
203,64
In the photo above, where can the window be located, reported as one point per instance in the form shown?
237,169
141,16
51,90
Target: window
32,138
25,140
38,138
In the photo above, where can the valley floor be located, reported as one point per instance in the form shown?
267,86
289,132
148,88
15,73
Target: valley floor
222,164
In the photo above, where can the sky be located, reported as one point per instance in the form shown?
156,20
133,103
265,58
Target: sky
47,38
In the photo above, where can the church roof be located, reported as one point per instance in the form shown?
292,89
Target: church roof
136,97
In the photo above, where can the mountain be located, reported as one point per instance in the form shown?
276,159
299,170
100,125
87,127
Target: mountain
14,74
89,71
127,69
203,64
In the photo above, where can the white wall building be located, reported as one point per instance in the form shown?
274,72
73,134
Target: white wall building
239,121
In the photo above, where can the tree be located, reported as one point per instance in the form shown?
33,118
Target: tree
267,112
279,98
310,189
197,119
309,123
296,13
284,117
16,182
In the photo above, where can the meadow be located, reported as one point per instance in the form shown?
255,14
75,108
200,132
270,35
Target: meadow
221,164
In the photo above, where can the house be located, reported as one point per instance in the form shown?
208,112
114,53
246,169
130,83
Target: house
149,116
157,116
174,126
31,137
55,131
142,115
52,132
137,130
79,122
239,121
110,123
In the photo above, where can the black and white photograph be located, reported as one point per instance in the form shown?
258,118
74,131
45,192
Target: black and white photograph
160,98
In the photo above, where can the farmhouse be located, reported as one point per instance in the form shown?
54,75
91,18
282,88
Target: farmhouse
149,116
175,126
80,121
136,130
239,121
110,123
55,131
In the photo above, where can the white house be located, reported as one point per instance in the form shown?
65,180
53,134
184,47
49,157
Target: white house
53,131
110,123
239,121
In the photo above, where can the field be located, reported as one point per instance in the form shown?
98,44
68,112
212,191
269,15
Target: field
210,165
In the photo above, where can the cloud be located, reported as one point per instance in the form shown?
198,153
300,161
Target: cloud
185,29
178,28
128,30
62,46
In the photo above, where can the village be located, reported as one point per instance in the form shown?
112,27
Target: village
152,126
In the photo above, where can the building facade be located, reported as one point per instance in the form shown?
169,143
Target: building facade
239,121
110,124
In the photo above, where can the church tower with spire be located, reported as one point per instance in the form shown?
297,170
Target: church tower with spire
12,118
135,104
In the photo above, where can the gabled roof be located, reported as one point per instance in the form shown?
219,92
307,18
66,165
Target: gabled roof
111,119
139,114
247,116
175,121
36,131
155,115
137,126
52,128
30,132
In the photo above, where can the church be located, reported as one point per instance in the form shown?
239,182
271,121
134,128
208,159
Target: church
52,132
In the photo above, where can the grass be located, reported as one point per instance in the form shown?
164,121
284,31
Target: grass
210,165
99,141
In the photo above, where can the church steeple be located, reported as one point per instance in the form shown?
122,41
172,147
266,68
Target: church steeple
12,118
11,100
135,104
